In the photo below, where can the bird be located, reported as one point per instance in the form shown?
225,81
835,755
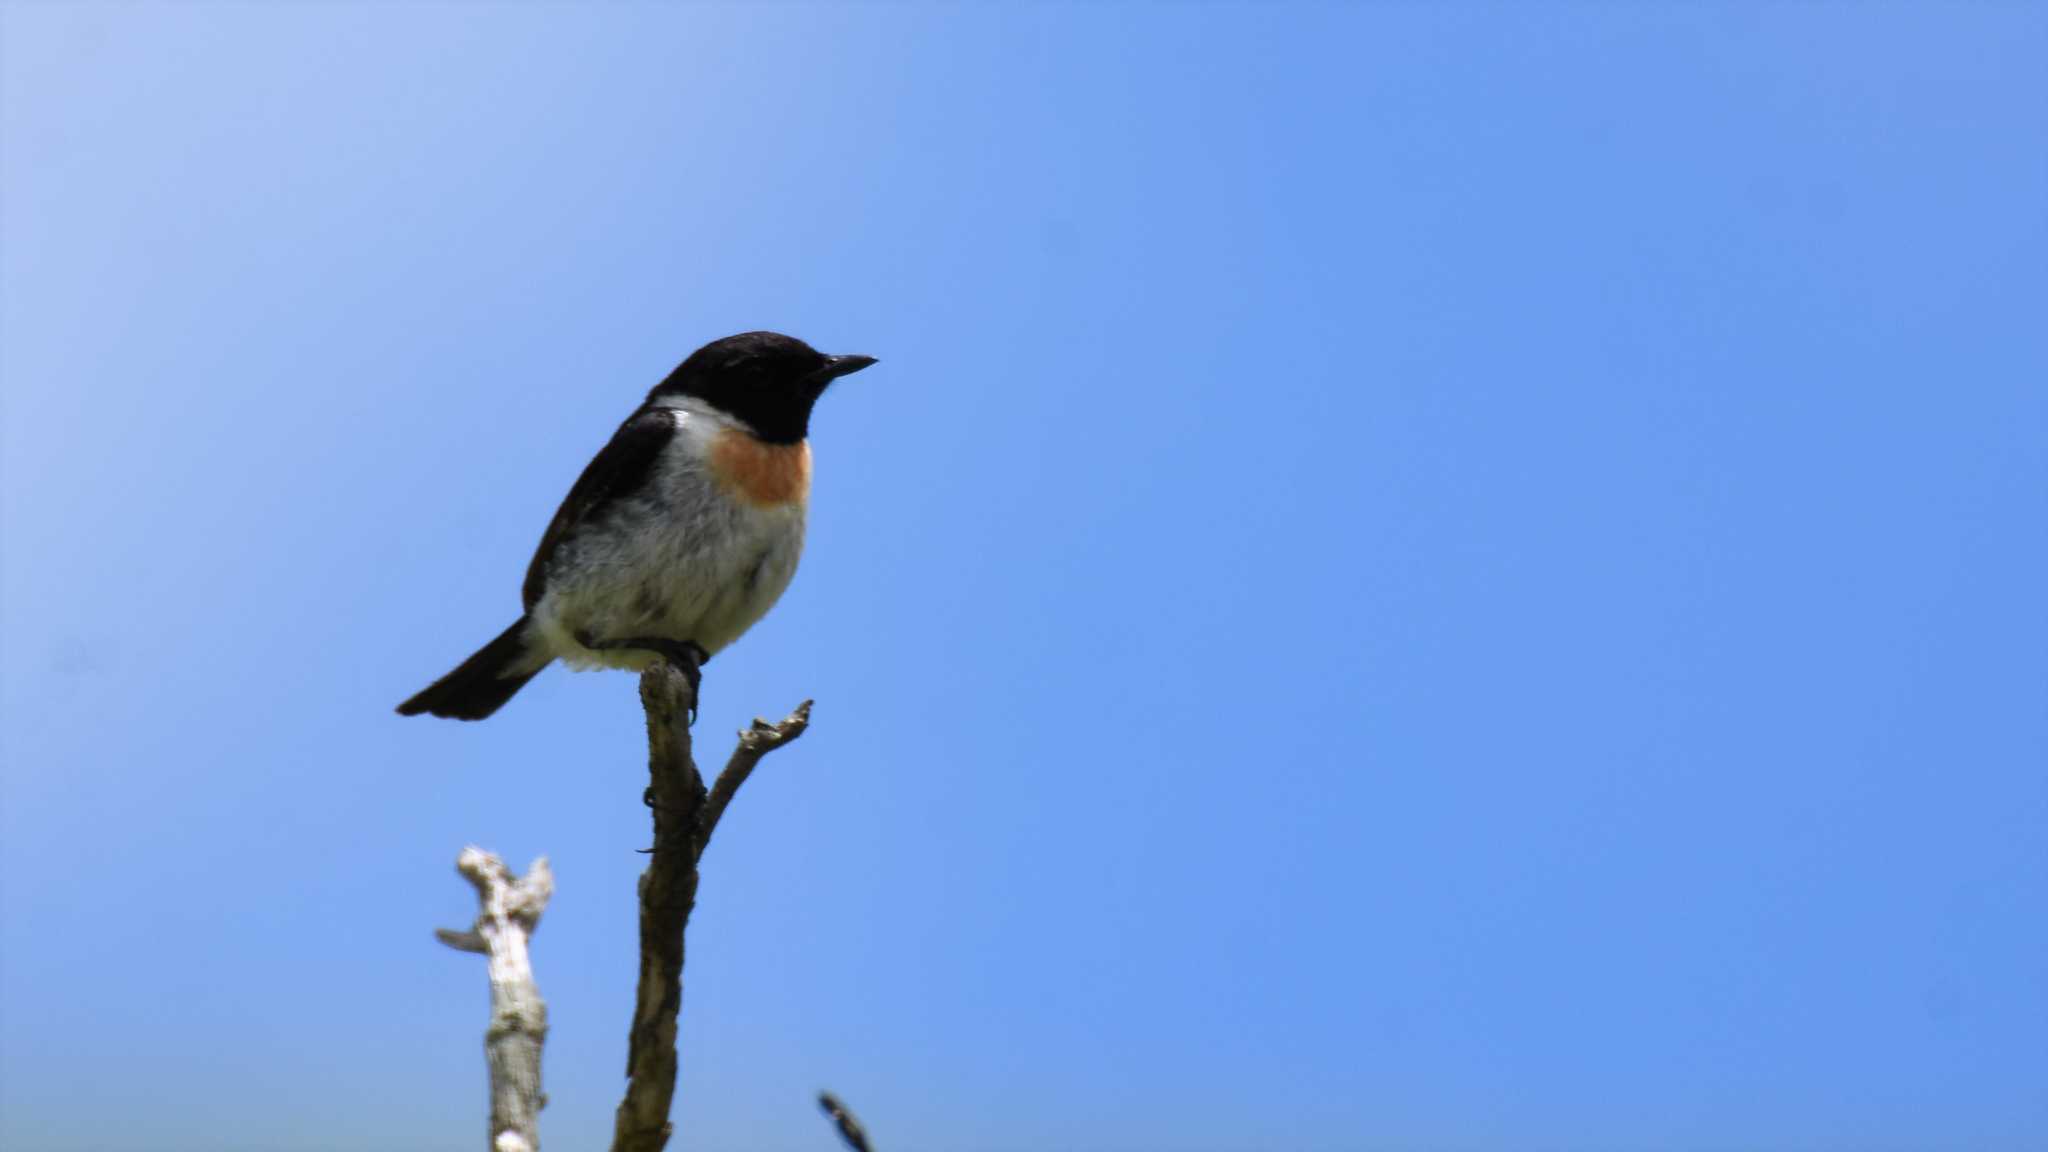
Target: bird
683,531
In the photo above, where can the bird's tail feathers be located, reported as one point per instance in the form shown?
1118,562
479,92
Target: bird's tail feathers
481,684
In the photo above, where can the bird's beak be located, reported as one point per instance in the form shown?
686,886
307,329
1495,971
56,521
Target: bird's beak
837,366
832,369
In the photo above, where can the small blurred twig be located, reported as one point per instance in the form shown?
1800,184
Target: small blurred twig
856,1137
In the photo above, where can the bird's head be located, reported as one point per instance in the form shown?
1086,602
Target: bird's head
766,379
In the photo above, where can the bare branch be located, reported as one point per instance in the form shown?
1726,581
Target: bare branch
755,743
685,811
668,891
856,1137
509,911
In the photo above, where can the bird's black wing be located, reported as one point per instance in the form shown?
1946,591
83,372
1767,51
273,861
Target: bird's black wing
619,470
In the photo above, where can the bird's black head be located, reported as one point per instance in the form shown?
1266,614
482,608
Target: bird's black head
764,378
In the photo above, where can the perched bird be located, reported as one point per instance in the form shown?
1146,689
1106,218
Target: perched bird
681,534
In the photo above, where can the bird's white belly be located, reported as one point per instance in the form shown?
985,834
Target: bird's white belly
688,564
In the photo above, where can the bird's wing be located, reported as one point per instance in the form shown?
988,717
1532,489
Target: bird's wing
620,469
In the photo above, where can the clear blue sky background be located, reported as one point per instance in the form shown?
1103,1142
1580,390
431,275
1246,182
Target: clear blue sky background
1411,577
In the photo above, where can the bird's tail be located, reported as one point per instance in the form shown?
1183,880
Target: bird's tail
482,683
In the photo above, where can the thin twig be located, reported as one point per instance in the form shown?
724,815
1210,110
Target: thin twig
685,812
856,1137
755,742
509,911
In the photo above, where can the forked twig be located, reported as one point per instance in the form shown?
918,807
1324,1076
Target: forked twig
685,814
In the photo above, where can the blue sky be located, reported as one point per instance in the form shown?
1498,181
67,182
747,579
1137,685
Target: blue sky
1411,576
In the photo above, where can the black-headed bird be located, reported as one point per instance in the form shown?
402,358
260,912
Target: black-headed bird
680,534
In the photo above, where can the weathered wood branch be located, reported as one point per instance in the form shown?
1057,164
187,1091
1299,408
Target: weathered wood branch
685,813
509,910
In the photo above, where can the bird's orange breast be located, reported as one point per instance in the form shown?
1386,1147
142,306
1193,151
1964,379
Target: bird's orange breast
761,474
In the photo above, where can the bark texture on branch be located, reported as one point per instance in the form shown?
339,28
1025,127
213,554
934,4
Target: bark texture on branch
685,814
509,909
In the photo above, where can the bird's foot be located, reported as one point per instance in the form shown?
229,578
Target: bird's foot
685,656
